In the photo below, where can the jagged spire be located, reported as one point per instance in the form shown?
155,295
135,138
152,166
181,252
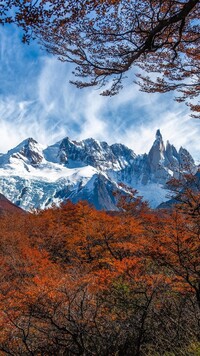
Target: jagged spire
157,152
158,134
159,141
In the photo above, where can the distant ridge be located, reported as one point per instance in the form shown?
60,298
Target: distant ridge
34,176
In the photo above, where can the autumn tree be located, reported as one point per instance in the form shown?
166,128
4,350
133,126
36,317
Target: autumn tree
21,267
77,281
186,193
106,39
173,244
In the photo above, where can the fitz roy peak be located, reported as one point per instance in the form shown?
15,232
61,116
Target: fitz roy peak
36,177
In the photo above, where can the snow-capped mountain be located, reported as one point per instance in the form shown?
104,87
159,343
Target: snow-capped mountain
33,176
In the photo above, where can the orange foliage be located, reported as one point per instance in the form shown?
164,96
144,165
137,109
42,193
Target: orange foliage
72,278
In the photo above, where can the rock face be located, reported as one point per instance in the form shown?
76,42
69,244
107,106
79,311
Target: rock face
90,152
28,152
33,176
157,153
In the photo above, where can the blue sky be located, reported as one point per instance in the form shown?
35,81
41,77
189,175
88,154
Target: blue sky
36,100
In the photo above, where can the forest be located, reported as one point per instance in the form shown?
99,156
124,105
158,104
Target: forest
77,281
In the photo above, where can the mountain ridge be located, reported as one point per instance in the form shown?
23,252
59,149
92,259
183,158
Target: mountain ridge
34,176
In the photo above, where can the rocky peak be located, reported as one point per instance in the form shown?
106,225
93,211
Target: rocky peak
122,151
159,141
171,149
65,146
29,151
157,152
97,154
186,161
33,152
158,135
171,157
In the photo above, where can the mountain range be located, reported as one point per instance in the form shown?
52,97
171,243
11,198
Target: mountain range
33,176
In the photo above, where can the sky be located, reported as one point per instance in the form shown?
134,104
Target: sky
36,100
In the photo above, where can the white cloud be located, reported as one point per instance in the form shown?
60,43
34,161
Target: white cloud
36,100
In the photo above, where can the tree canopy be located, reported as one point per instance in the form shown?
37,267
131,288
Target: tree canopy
106,39
76,281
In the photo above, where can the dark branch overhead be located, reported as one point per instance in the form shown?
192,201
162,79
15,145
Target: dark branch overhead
106,39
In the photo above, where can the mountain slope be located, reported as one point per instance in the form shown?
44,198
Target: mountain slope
34,176
8,207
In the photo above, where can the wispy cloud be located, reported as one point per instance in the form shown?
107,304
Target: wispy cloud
37,100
